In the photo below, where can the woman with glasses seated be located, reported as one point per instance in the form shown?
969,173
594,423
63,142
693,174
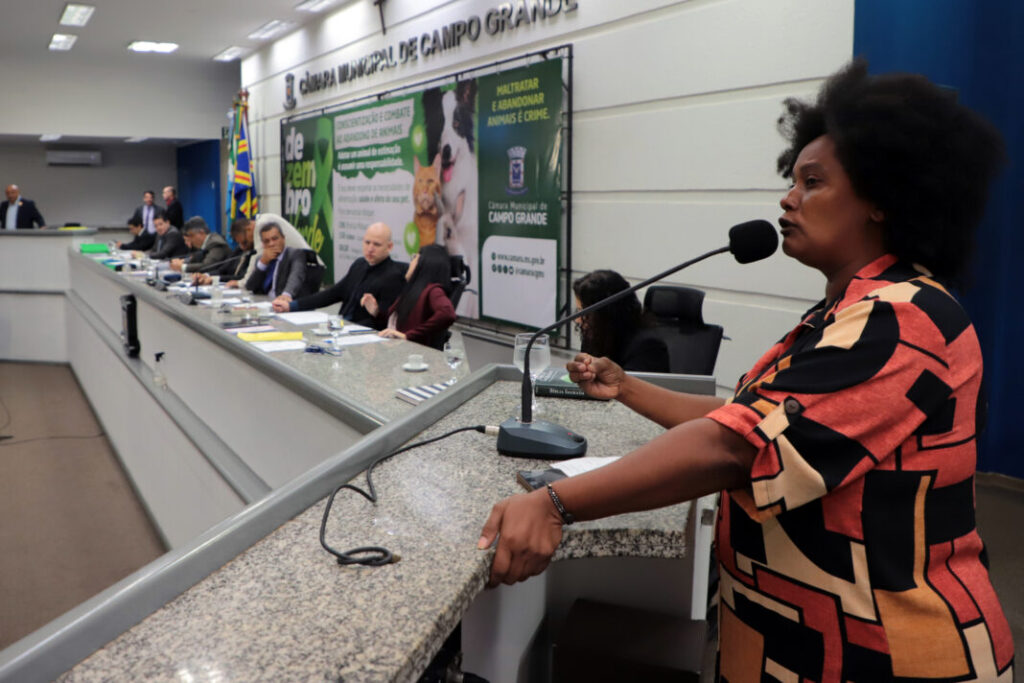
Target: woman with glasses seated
620,331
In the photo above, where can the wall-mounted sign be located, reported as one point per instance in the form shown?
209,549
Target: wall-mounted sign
504,18
474,166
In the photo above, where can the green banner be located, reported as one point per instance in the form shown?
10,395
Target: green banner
307,152
473,165
520,193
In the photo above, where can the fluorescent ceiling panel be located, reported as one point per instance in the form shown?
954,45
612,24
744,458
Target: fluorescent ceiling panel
49,137
230,54
150,46
62,41
76,15
315,5
271,29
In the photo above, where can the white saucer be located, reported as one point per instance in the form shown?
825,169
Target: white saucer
415,368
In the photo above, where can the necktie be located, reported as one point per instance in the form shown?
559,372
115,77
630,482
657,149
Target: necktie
268,281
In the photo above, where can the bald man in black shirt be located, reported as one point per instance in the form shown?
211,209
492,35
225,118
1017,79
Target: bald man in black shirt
375,273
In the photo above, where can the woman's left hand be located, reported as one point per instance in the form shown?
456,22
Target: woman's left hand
528,529
392,333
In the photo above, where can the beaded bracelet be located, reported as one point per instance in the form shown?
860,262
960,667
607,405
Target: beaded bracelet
567,517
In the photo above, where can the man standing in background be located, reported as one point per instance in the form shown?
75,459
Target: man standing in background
145,212
18,213
175,214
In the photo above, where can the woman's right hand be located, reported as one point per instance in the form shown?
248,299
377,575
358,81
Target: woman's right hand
598,377
369,302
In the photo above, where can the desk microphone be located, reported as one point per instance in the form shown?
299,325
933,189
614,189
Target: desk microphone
210,265
528,438
191,296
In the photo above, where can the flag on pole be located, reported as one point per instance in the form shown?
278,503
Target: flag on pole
242,200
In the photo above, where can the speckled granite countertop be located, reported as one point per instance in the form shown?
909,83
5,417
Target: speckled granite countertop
284,610
365,375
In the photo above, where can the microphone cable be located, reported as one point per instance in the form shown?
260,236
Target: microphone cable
376,556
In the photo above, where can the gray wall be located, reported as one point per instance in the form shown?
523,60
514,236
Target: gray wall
94,195
135,98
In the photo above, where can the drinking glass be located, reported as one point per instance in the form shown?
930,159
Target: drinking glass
453,355
249,310
540,359
216,291
335,325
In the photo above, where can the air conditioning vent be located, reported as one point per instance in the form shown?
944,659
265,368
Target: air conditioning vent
74,157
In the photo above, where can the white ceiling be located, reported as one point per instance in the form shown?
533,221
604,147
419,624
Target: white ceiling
202,28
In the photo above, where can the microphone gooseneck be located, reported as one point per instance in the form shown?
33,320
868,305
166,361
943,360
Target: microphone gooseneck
748,242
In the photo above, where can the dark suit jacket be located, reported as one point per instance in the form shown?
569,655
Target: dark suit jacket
235,268
290,276
170,245
214,250
137,216
144,241
384,280
27,214
428,320
175,214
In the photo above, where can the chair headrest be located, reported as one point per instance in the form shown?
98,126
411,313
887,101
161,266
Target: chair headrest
674,301
460,271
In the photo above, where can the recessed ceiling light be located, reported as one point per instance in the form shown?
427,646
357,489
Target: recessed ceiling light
150,46
315,5
230,54
271,29
62,41
49,137
76,15
135,139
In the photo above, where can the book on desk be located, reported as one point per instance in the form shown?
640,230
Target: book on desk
555,382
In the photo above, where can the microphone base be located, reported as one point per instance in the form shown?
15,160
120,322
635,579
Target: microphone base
539,440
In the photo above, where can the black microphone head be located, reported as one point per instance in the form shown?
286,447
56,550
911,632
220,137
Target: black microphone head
753,240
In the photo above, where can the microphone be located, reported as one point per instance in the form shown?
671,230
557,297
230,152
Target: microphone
190,296
526,438
205,269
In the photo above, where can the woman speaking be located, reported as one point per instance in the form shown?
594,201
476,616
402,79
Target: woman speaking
845,534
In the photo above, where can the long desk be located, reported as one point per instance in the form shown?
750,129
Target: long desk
33,279
251,595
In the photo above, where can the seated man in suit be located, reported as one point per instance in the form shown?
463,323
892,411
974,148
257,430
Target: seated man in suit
145,212
169,242
18,213
280,269
209,250
141,240
237,264
375,273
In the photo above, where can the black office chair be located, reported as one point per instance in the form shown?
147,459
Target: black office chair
460,280
314,274
692,343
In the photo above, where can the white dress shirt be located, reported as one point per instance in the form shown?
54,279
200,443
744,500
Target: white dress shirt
12,215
